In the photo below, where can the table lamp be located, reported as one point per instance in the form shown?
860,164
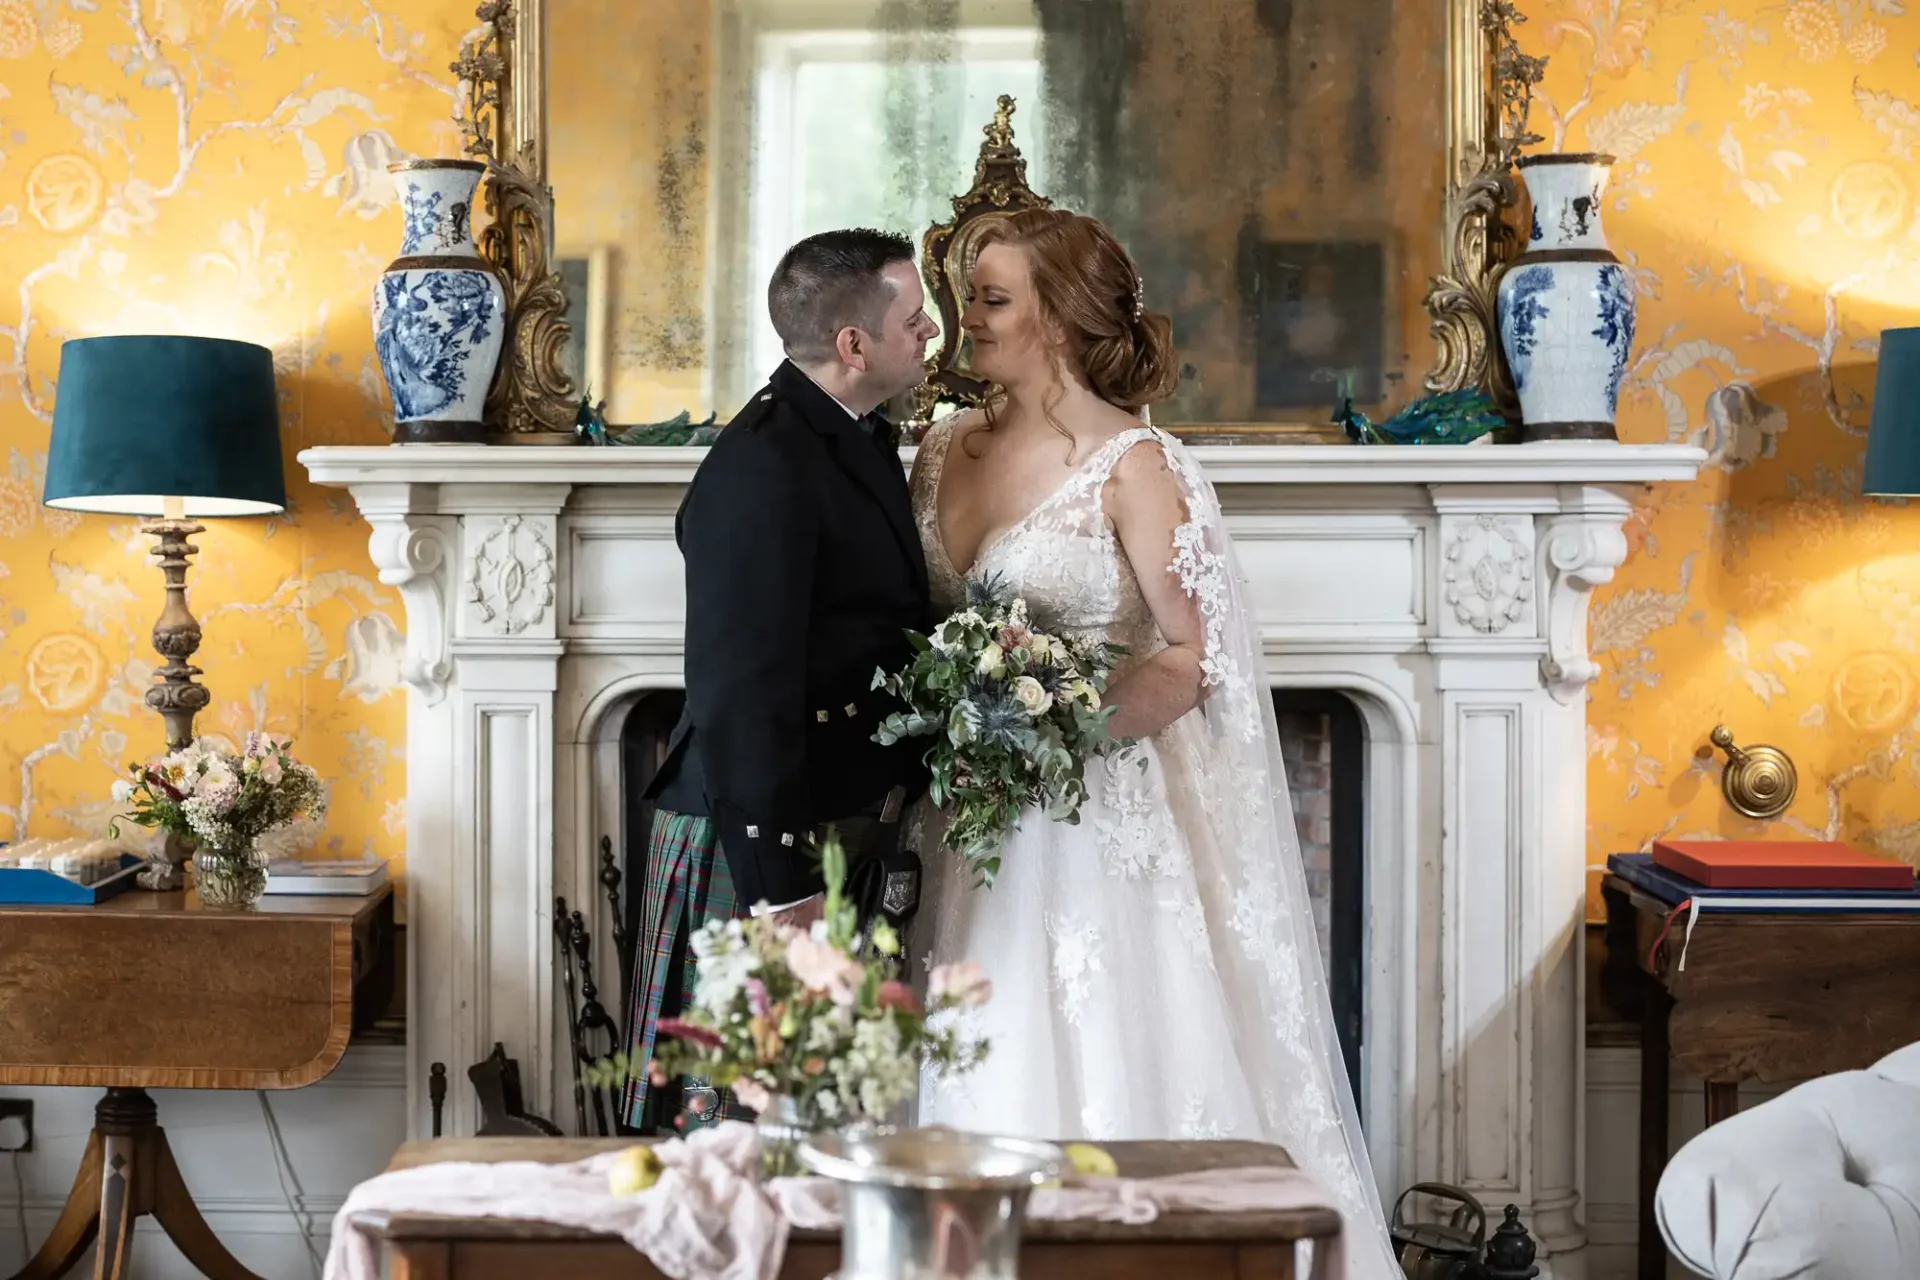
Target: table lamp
1893,438
174,429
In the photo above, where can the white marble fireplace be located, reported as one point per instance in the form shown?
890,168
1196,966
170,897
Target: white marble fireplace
1444,590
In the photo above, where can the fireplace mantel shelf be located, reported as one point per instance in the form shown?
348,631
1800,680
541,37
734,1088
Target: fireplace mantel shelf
1443,589
1569,463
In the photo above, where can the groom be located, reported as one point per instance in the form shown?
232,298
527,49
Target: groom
803,571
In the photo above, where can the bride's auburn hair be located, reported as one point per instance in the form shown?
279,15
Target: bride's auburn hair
1089,290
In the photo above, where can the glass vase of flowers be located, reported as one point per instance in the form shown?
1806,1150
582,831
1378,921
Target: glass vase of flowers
812,1028
224,802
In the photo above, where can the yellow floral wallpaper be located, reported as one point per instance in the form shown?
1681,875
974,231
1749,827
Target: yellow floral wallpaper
211,167
1765,199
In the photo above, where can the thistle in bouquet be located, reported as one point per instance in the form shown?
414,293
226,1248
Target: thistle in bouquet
223,801
816,1019
1014,714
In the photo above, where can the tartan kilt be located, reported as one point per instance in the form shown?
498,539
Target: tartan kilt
687,884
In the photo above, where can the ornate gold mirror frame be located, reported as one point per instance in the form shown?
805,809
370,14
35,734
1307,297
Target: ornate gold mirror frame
503,119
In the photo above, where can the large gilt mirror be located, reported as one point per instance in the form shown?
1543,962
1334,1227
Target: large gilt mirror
1311,188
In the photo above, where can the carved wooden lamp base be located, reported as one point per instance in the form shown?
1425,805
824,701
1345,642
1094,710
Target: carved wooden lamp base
176,697
128,1171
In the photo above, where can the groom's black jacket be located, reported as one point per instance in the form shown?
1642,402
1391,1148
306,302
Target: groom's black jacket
804,570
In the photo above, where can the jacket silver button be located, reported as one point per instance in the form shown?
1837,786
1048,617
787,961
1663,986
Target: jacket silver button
786,838
753,832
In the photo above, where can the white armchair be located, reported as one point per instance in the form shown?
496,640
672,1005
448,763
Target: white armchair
1820,1183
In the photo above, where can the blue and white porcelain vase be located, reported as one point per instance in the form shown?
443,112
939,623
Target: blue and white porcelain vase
1566,305
439,313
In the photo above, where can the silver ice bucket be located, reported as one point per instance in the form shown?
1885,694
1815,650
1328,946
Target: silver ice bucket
931,1204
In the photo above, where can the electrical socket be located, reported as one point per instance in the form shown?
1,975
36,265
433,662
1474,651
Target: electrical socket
16,1124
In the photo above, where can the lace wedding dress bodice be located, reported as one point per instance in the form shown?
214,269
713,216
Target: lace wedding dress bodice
1063,557
1155,966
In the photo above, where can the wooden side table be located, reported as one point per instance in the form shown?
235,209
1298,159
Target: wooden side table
1190,1246
1774,997
151,991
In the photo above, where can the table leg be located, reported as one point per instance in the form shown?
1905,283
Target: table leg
78,1223
1655,1007
420,1259
122,1185
1723,1100
127,1171
180,1218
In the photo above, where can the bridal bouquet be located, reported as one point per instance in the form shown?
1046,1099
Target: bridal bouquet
817,1019
1014,714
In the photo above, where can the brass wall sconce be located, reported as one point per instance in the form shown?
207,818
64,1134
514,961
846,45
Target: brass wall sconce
1759,782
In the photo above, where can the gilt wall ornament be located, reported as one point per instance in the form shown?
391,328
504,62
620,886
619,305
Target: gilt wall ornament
1489,130
533,400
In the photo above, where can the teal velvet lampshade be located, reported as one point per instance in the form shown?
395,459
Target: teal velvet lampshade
1893,440
141,420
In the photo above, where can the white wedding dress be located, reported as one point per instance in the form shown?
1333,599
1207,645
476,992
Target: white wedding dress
1155,968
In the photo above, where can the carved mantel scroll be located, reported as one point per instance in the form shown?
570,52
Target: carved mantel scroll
1580,548
413,553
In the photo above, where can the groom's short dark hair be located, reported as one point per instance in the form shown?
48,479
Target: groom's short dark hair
830,281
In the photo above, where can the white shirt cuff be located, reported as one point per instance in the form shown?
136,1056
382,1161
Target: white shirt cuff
763,909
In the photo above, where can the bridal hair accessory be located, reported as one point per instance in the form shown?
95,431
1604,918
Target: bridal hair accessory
1139,296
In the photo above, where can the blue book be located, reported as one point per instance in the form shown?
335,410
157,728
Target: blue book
1640,870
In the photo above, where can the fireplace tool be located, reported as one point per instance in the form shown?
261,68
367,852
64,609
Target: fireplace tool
592,1033
1457,1248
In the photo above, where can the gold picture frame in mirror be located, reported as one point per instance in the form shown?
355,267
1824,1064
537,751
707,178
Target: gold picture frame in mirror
504,117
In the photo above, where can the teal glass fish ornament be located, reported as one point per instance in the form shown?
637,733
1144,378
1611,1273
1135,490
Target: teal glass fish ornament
680,429
1451,417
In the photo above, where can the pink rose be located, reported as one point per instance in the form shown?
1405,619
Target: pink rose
898,995
962,983
821,966
751,1094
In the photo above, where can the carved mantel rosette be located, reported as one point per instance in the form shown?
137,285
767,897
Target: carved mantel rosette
509,578
1487,572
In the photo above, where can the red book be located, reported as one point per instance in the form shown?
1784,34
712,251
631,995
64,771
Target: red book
1779,864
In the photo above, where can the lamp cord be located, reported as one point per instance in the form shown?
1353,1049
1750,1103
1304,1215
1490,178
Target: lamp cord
284,1171
20,1207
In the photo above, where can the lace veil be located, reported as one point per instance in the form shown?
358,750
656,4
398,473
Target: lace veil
1259,898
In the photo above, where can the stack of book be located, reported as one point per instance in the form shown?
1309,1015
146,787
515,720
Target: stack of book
1701,876
350,879
1768,875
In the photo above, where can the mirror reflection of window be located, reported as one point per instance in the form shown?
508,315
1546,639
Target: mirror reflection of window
856,127
1278,172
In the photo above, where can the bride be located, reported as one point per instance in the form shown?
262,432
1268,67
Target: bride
1155,967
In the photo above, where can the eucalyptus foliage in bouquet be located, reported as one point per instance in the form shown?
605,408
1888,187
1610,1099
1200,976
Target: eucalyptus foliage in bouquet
818,1017
1014,714
222,801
